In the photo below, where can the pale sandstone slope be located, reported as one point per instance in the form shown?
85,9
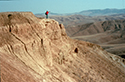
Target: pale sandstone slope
35,50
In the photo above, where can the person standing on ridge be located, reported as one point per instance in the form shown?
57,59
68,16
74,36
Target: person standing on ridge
47,12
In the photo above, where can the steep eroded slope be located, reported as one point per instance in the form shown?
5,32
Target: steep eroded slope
35,50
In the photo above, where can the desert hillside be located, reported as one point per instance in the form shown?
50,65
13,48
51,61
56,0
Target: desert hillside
97,27
39,50
108,34
75,20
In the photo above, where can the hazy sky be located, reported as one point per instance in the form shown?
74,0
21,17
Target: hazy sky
58,6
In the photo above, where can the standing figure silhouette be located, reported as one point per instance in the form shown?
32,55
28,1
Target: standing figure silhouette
47,12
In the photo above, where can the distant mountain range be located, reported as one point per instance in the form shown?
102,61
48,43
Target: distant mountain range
96,12
50,14
103,12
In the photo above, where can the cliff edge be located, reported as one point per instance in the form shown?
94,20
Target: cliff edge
39,50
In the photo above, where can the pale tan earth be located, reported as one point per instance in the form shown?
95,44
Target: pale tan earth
39,50
80,26
76,20
108,34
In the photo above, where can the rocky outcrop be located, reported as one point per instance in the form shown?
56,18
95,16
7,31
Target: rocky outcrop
38,50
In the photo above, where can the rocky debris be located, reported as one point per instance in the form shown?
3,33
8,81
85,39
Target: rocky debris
38,50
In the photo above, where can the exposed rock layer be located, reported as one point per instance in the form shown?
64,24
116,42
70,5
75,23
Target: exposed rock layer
34,50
